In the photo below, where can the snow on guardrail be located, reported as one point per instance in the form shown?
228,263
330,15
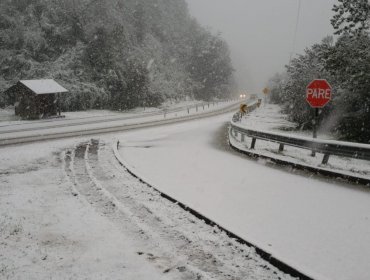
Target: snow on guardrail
340,149
327,147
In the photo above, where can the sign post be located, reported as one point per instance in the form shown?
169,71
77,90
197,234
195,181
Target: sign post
266,91
318,94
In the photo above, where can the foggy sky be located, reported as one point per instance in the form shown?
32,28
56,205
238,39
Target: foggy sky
260,33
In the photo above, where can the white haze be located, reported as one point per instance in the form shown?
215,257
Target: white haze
260,33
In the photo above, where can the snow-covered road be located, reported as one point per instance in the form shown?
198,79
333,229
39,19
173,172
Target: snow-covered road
68,210
320,226
15,132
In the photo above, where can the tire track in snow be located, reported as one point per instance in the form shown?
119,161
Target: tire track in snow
176,242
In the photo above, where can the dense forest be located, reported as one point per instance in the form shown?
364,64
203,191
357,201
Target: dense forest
344,60
115,54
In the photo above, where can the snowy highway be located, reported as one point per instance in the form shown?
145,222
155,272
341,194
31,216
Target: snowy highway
319,226
69,206
185,140
16,132
70,211
79,118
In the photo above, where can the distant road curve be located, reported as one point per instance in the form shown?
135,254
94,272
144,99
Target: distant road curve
60,122
107,126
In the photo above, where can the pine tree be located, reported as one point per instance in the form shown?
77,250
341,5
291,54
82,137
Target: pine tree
352,16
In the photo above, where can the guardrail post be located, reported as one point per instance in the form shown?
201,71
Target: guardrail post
253,143
325,160
281,148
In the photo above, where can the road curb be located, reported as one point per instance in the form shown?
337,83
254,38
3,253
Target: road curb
284,267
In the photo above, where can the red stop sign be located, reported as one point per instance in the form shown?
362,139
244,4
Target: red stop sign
318,93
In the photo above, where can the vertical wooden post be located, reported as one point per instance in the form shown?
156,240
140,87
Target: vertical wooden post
281,148
37,104
59,109
253,145
315,124
325,160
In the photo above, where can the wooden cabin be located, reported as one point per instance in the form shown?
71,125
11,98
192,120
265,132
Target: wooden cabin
36,99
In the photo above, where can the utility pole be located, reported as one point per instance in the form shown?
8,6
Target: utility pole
296,30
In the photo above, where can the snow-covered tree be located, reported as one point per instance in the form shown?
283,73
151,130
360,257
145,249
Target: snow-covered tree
351,16
348,61
209,65
276,86
125,52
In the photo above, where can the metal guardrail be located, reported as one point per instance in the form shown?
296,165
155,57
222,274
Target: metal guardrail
326,147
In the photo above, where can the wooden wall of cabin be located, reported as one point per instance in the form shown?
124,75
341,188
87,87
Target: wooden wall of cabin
47,105
31,106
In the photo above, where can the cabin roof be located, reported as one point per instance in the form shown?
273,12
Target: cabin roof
47,86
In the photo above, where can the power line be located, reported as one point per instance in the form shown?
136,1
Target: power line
296,30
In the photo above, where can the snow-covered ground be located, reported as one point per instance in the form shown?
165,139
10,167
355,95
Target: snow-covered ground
45,233
68,210
320,226
269,118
